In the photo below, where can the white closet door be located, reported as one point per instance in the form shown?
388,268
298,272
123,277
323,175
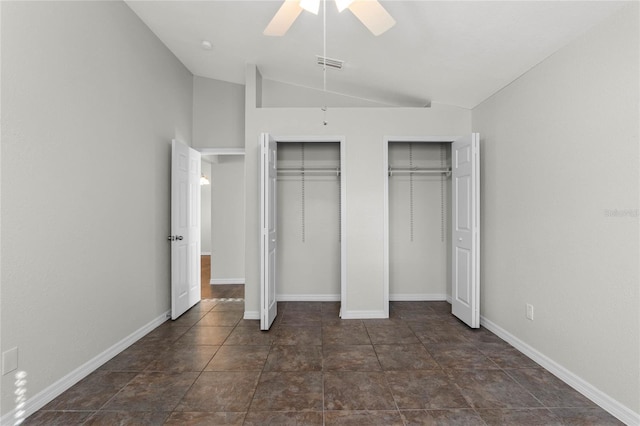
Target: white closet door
185,228
465,288
268,221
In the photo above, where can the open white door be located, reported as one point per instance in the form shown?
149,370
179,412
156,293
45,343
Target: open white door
465,286
185,228
268,220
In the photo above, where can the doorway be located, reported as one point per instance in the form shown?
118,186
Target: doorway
222,225
419,190
308,205
205,228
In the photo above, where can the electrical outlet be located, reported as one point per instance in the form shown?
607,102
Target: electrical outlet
9,360
529,311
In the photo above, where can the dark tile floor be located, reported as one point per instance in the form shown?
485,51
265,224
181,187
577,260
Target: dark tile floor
420,367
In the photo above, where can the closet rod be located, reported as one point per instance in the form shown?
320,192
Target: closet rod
419,170
309,170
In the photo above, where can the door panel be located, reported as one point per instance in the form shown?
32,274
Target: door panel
463,191
185,228
463,284
195,213
268,221
466,230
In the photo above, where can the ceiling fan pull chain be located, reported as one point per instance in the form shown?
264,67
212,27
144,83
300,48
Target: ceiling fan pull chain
411,190
443,200
302,192
324,61
339,206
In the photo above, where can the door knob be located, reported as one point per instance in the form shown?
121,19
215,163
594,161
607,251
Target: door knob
459,239
179,237
171,238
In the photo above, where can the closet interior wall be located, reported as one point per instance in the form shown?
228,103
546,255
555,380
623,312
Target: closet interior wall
419,221
308,197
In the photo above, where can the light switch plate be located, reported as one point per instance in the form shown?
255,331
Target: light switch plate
529,311
9,361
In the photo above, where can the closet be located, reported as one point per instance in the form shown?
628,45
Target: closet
432,222
302,198
419,182
308,205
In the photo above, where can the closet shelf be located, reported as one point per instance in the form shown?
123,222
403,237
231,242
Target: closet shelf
419,170
310,170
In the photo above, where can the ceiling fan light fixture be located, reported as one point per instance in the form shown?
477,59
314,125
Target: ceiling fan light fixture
372,15
312,6
343,4
283,19
369,12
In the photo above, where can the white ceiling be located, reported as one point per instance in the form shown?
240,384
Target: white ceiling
447,52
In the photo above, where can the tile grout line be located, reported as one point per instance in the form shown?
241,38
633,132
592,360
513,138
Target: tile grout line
137,374
263,367
384,375
324,420
173,410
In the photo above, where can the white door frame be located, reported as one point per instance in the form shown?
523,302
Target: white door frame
385,169
343,199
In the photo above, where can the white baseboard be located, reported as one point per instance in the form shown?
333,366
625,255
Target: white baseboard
399,297
615,408
363,315
308,297
251,315
205,253
223,281
48,394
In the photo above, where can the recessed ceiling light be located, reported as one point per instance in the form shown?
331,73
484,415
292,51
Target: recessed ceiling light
206,45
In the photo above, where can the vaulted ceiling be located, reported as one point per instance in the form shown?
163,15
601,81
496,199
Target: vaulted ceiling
447,52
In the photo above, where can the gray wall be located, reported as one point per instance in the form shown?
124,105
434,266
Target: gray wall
218,122
218,114
276,94
227,219
90,102
559,154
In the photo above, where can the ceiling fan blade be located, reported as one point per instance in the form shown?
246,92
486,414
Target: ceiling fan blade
284,18
372,15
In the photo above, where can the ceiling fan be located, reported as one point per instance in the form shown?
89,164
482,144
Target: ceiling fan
369,12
